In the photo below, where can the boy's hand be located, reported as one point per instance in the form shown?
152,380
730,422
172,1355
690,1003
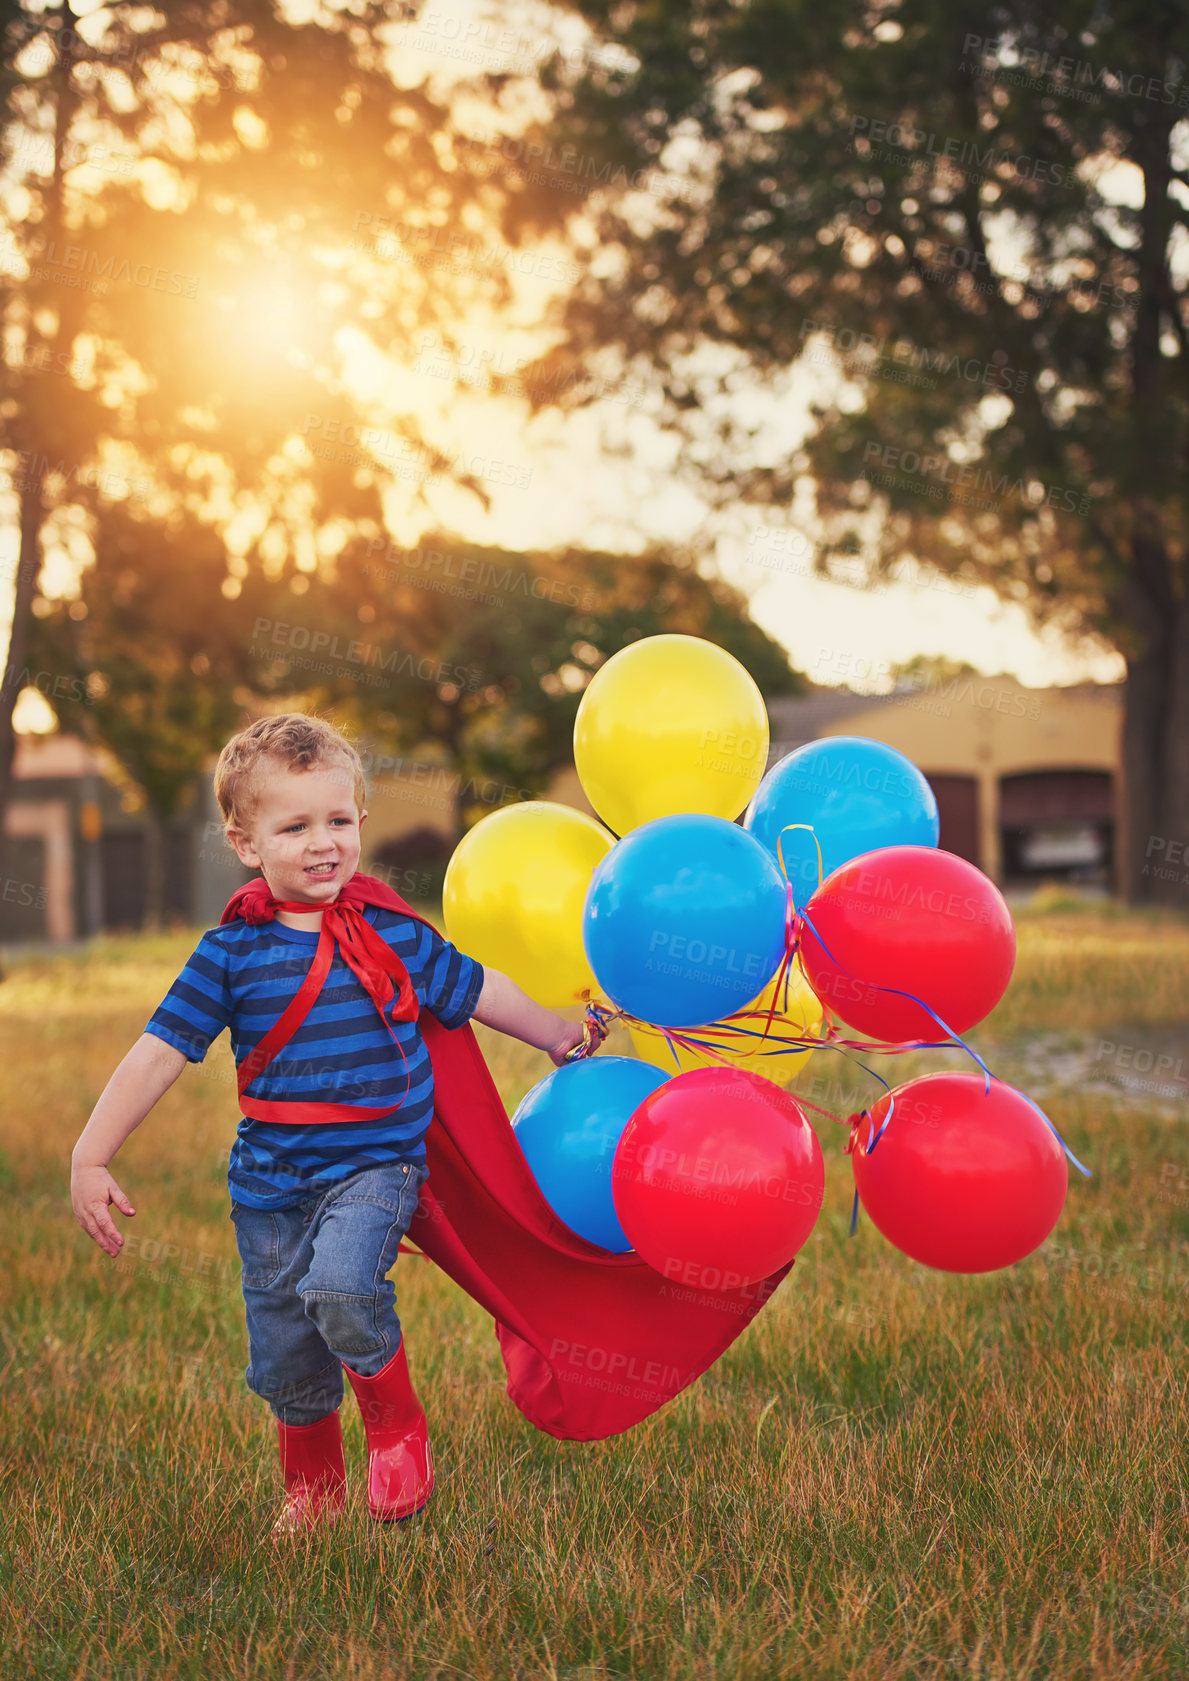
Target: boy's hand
91,1189
509,1009
591,1034
573,1035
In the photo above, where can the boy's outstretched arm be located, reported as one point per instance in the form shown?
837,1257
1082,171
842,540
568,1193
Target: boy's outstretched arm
145,1074
506,1007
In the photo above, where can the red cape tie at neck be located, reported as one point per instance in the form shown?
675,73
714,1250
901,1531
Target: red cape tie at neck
381,972
592,1342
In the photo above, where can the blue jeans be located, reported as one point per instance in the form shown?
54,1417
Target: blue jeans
316,1290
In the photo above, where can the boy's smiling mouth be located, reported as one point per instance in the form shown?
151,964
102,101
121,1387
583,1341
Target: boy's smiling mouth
322,870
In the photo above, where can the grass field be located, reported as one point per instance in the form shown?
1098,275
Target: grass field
892,1473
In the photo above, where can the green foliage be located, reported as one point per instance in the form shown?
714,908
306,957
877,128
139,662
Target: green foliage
148,661
928,669
288,150
966,226
287,154
881,190
159,665
485,656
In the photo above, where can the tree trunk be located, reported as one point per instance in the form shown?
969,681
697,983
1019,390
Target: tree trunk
32,506
15,675
1155,802
1167,853
451,736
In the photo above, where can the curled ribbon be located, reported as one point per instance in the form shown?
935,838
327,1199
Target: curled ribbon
594,1031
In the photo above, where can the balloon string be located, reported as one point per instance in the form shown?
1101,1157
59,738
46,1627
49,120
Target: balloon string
1056,1134
804,1103
594,1031
955,1038
780,849
952,1037
848,1150
731,1036
792,929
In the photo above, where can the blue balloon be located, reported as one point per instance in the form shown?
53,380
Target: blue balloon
857,793
684,920
569,1126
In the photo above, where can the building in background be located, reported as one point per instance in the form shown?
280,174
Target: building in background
75,842
1027,782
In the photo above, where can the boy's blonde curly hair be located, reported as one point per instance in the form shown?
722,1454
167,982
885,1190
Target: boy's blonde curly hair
294,740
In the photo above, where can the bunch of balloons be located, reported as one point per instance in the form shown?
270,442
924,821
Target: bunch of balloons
731,918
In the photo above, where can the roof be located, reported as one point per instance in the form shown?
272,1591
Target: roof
57,753
795,719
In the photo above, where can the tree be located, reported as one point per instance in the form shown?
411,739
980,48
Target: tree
204,203
928,671
472,658
976,217
481,655
211,196
150,664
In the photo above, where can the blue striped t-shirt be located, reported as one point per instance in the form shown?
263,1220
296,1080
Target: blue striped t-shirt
242,977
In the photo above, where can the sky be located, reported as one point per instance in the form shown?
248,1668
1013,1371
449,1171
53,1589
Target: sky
835,632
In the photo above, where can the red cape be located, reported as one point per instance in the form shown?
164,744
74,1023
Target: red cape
592,1341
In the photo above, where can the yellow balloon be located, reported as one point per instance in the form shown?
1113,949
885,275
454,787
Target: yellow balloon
802,1018
670,724
514,893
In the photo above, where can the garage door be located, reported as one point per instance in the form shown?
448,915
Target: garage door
1058,822
122,852
957,808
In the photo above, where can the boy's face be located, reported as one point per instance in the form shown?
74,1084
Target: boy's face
304,818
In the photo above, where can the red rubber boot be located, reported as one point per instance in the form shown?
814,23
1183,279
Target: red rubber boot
315,1474
399,1459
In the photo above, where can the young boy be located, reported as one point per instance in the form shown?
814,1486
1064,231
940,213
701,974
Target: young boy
329,1156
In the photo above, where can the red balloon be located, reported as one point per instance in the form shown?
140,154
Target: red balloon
717,1178
917,919
962,1180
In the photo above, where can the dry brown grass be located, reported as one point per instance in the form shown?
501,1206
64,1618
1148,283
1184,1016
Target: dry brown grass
894,1473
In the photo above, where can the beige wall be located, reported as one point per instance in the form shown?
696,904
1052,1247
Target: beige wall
398,805
989,727
985,727
58,753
